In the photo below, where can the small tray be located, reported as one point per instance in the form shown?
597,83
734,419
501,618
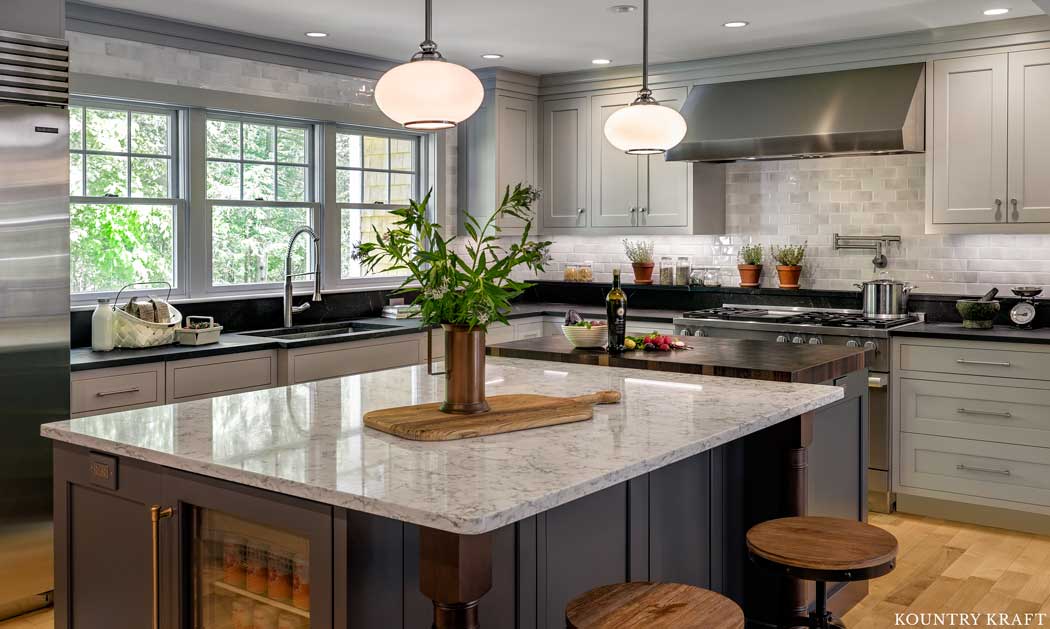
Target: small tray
198,336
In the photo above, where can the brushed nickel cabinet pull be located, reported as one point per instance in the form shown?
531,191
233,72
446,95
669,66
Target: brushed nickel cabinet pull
998,209
580,210
118,391
992,363
968,411
986,470
156,514
1017,214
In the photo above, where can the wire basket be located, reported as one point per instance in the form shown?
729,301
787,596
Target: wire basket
131,332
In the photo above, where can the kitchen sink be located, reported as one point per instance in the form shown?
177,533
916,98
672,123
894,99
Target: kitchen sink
322,330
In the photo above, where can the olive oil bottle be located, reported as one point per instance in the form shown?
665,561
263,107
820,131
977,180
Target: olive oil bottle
616,315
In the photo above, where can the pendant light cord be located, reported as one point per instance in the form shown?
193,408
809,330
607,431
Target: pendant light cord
429,18
645,44
427,48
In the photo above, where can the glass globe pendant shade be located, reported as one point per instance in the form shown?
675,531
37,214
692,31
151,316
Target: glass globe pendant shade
645,128
429,94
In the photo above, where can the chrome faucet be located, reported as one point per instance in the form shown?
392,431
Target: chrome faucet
289,309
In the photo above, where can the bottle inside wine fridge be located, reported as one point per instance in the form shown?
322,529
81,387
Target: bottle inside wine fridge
616,315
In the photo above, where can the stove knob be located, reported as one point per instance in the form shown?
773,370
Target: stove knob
853,343
816,340
870,346
798,340
782,339
699,332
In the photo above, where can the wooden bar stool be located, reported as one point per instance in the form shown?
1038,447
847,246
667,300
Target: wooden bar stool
641,605
822,550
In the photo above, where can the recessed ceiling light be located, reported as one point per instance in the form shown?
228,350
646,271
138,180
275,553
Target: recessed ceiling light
996,11
491,55
316,34
736,24
601,62
623,8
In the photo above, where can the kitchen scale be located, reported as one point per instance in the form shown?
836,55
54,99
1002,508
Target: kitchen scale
1023,313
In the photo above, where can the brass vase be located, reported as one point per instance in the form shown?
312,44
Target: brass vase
464,369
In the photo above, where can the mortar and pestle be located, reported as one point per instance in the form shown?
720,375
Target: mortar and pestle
979,314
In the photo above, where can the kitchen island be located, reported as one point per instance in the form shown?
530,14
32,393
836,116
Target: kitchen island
660,486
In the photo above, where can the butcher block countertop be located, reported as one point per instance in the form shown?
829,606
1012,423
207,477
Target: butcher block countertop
734,358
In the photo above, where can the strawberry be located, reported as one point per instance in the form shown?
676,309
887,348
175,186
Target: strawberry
664,347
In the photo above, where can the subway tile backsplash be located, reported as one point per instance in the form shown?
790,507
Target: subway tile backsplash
810,200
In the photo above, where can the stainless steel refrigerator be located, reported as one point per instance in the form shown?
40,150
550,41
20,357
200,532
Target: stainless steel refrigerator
34,304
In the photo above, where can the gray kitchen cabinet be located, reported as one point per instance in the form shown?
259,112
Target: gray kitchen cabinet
666,188
1029,147
318,362
988,156
497,150
615,176
98,391
212,376
564,157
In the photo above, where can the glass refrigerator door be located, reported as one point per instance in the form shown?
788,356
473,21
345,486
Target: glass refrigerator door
247,575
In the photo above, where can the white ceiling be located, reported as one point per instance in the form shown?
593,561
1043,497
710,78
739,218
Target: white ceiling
547,36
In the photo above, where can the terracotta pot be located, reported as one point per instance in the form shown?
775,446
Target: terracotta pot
464,370
750,275
789,275
643,272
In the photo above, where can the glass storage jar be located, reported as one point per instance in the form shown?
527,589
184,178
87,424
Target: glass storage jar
667,271
681,274
585,272
712,276
571,273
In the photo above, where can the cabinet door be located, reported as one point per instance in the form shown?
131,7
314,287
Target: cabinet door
103,541
1029,161
615,175
516,119
565,162
249,558
666,186
970,139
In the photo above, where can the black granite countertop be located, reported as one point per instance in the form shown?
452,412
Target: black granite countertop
1000,333
84,358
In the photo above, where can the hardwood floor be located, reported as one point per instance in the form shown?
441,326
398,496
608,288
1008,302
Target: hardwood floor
942,566
951,567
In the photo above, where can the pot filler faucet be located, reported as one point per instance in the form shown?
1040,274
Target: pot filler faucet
289,309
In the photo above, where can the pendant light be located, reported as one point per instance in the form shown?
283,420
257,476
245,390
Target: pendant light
429,93
645,127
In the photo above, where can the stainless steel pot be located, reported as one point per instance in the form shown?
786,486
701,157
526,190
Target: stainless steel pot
885,297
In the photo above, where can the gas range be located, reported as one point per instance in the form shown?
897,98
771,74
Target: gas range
798,325
821,326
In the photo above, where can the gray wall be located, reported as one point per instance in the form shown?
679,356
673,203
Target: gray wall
36,17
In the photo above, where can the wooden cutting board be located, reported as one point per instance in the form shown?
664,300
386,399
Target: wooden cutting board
508,413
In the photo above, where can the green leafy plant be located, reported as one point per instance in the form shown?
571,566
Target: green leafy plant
639,251
751,254
473,289
789,255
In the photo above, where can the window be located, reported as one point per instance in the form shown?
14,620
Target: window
374,174
124,201
260,188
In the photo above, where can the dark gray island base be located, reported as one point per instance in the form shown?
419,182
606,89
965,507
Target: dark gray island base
680,520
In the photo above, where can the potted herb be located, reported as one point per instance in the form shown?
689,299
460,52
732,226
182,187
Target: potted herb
462,287
750,266
789,261
640,253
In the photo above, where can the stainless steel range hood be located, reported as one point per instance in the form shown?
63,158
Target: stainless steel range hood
850,112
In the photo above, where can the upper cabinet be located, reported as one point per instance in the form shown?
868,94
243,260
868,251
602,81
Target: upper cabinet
497,149
990,151
564,163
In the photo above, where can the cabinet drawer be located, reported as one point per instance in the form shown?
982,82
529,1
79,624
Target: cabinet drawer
110,390
223,375
976,468
499,333
353,358
528,330
989,412
975,361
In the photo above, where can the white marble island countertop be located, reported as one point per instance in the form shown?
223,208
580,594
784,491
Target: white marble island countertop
308,440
